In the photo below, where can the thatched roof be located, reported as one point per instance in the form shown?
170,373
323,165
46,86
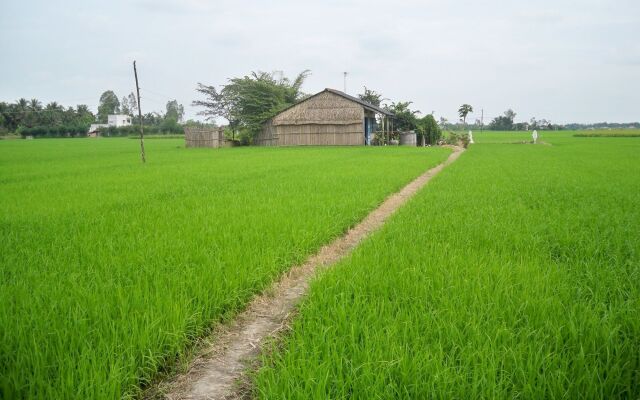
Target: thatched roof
363,103
327,107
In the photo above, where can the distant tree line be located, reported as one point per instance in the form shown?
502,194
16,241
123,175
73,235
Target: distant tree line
32,118
603,125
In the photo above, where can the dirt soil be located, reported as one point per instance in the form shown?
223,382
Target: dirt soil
217,371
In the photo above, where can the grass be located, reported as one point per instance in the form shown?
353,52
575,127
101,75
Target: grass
519,137
514,274
109,268
609,133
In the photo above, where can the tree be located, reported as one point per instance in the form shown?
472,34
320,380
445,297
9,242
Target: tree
175,111
133,103
30,118
443,123
124,106
463,111
35,105
32,113
109,104
429,129
404,118
84,116
249,101
54,114
503,122
371,97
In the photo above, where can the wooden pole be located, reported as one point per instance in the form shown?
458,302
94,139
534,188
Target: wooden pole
135,72
384,130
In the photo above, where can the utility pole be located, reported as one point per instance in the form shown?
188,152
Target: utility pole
135,72
345,81
482,120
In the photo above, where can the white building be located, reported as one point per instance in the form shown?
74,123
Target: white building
115,120
118,120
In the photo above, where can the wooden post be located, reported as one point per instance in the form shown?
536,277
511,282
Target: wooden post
386,129
135,72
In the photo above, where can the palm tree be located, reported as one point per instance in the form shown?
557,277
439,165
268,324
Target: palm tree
35,105
463,111
297,83
22,111
54,113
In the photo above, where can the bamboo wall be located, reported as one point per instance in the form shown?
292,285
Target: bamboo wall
311,135
203,137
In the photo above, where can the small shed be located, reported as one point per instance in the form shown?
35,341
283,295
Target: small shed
330,117
196,136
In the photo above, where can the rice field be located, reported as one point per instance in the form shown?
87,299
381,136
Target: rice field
514,274
109,269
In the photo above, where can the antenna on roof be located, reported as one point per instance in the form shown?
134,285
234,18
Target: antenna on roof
345,81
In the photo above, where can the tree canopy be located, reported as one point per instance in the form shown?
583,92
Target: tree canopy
371,97
175,111
109,104
503,122
463,111
249,101
404,118
27,114
429,129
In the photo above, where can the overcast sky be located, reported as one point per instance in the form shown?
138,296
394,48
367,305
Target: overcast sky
567,61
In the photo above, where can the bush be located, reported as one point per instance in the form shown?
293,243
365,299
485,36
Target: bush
54,131
170,128
428,128
457,139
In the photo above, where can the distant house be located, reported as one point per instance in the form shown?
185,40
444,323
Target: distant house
115,120
330,117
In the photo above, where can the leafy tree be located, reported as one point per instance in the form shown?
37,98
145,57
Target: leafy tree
249,101
404,118
371,97
503,122
84,116
443,122
109,104
463,111
150,119
175,111
429,129
170,125
31,118
124,106
132,101
53,114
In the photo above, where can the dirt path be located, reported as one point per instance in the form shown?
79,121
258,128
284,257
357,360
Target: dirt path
214,374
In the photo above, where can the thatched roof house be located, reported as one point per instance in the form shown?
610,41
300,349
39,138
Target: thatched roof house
330,117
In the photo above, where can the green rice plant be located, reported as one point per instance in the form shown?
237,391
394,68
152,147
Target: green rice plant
514,274
110,268
609,133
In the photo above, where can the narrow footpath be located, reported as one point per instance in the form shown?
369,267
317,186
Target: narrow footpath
215,373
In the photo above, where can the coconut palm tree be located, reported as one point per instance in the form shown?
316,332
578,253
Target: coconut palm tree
463,111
